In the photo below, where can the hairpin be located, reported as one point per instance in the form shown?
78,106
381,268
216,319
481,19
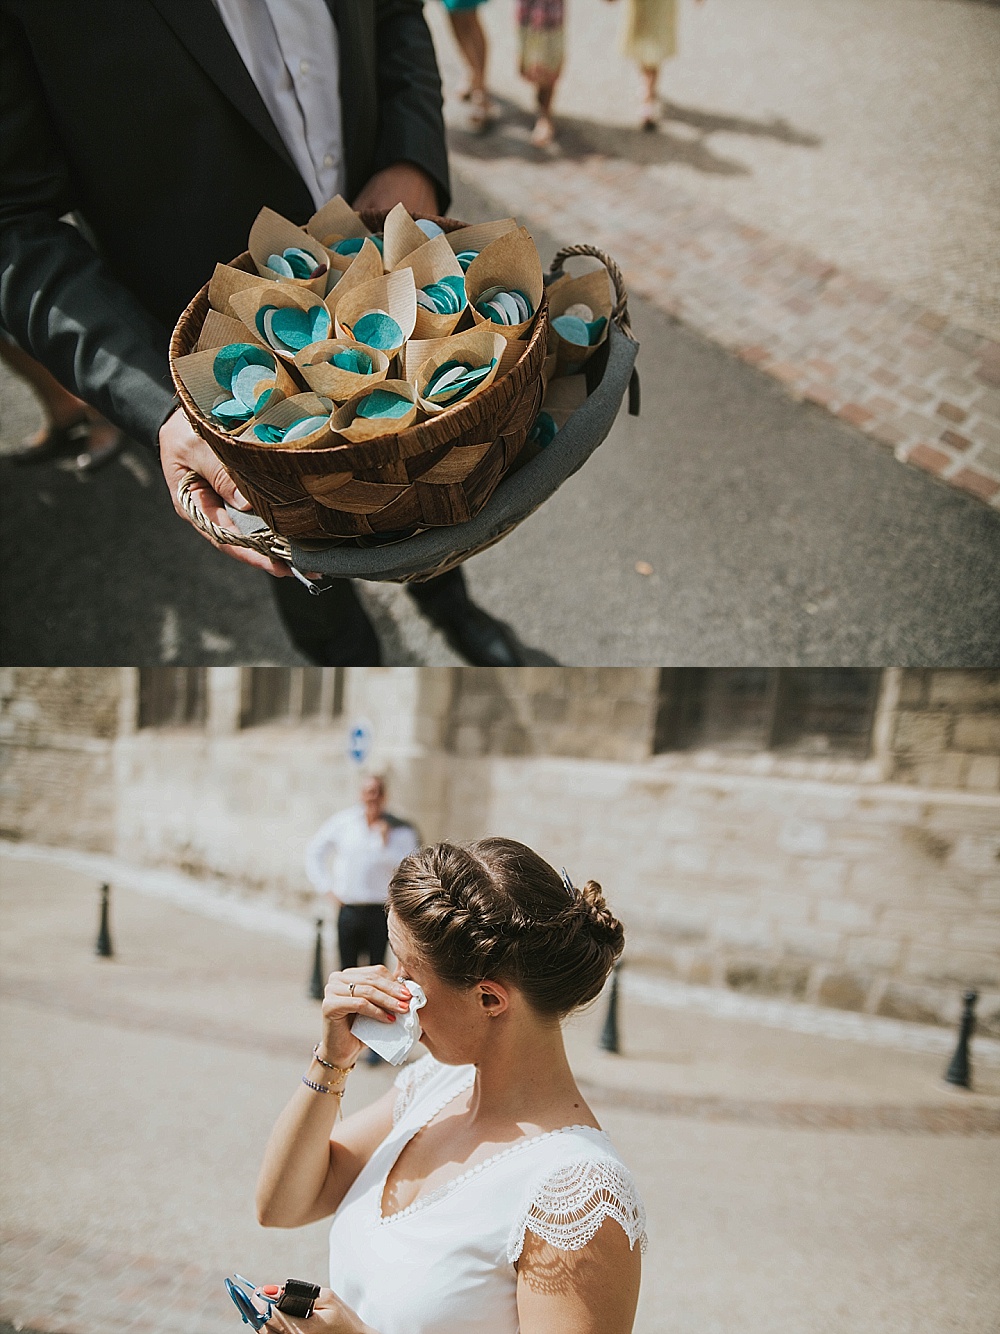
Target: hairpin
570,887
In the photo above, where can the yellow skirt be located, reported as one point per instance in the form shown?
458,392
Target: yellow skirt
650,35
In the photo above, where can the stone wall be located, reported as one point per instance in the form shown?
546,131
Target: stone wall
57,729
946,730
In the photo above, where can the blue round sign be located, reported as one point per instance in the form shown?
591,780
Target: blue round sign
359,740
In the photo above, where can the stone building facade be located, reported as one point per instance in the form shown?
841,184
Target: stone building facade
830,835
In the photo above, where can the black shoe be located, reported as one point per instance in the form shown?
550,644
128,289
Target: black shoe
480,638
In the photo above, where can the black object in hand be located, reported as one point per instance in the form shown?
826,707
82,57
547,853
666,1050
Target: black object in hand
297,1298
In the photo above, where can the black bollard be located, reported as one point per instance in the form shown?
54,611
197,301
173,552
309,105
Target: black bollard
103,948
960,1071
317,985
609,1033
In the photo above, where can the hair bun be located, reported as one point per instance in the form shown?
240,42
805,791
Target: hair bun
601,917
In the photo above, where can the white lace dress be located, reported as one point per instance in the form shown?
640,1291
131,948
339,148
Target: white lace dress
445,1264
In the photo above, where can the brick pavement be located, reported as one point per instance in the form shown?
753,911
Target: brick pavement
911,379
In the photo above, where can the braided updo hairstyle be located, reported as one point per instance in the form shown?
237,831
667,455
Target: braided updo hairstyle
495,909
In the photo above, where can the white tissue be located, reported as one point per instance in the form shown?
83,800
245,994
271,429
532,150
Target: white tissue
393,1042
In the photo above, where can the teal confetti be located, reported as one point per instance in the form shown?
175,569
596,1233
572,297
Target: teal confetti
378,329
429,229
383,403
543,431
350,359
465,258
503,306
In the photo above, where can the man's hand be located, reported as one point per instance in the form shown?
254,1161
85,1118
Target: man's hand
402,183
181,451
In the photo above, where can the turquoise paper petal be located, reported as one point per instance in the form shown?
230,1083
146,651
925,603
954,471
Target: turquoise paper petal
280,265
261,402
305,426
230,358
259,319
349,246
303,264
457,285
271,435
378,330
293,327
320,320
230,411
383,403
429,229
574,331
465,258
595,328
246,383
352,360
544,430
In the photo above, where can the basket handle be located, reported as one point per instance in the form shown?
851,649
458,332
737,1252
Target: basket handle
619,311
265,541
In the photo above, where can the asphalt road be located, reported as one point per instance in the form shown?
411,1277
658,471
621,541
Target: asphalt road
775,535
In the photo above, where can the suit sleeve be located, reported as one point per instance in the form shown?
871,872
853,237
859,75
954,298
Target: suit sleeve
57,299
411,125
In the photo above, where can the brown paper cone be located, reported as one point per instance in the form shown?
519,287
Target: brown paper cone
477,346
480,235
514,350
364,267
334,222
247,303
594,290
510,261
290,410
340,385
401,236
351,427
564,396
393,292
430,262
199,380
218,330
225,281
270,234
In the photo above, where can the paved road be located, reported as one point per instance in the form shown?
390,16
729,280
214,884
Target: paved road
140,1092
776,535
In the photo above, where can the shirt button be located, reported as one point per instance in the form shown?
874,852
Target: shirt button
304,67
328,160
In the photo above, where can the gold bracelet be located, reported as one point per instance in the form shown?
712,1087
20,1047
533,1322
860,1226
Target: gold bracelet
340,1069
323,1088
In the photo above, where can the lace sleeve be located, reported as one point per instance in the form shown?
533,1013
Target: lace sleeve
567,1207
408,1081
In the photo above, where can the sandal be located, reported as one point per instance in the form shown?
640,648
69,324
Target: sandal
544,133
53,442
481,113
651,115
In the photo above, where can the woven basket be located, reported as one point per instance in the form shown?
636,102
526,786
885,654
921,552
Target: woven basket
611,374
438,472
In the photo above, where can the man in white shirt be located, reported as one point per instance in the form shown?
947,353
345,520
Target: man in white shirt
365,844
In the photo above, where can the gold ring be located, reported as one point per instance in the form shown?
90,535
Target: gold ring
351,988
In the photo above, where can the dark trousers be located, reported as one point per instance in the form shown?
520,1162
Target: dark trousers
362,928
334,630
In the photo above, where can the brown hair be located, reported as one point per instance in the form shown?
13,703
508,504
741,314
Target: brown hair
495,909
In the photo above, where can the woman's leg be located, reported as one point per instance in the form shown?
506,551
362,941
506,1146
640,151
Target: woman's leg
471,40
651,98
544,133
70,426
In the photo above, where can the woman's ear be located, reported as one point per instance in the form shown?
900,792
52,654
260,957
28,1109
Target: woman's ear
493,998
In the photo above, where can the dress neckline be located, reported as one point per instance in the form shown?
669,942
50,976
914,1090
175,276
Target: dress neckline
446,1187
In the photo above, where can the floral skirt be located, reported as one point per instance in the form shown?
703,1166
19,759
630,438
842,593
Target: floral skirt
540,37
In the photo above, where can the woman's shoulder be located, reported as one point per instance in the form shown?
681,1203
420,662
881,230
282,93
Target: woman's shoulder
421,1081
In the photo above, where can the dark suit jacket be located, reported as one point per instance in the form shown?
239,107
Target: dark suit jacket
139,117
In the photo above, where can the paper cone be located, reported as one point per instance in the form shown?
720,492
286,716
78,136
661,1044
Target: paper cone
225,281
336,221
431,262
247,303
511,262
480,235
350,426
219,330
289,411
340,385
271,234
393,292
402,236
562,398
475,346
591,289
364,267
196,370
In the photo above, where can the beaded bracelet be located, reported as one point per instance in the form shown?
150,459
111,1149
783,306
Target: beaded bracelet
322,1088
340,1069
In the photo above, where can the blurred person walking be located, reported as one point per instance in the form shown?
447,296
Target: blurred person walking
70,430
650,38
365,844
541,50
464,18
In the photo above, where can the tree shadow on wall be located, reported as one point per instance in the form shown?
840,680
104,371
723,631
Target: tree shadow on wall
579,137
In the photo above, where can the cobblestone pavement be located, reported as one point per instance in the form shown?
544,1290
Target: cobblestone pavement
842,241
128,1200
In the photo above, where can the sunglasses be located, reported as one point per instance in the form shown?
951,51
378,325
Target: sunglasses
242,1300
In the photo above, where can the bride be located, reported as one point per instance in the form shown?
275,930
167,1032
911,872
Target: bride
480,1195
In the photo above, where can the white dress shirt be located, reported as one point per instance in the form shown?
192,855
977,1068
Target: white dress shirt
291,51
363,864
